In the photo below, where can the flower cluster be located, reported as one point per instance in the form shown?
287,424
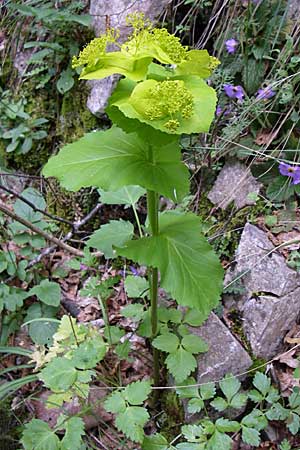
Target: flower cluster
290,171
95,49
169,98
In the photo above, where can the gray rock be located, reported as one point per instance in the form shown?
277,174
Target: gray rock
267,319
234,183
265,271
294,10
113,13
271,302
225,354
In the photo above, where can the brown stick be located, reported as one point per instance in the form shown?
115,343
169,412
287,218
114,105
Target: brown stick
37,230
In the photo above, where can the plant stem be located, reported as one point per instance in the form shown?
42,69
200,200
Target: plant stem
152,204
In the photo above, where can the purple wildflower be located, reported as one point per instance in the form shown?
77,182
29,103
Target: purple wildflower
234,92
290,171
134,271
219,111
231,45
265,93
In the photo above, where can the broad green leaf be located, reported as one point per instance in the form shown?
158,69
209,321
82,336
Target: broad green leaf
262,383
250,436
195,405
277,412
220,441
219,404
115,403
190,446
135,103
65,81
48,292
136,393
25,211
256,419
167,342
255,396
89,353
188,392
134,311
227,426
197,63
294,399
189,268
118,63
155,442
113,334
132,421
193,317
95,159
169,315
114,233
208,391
41,332
238,401
293,423
181,364
59,374
72,439
127,195
194,344
136,287
123,349
230,385
193,432
37,435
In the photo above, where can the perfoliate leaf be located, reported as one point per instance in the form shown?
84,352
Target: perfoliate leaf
37,435
194,344
48,292
230,386
136,393
127,195
141,103
96,158
132,421
155,442
114,233
250,436
72,439
115,403
181,364
118,63
136,287
189,269
262,383
167,342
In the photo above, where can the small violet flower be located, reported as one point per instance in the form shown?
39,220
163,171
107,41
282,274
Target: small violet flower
234,92
265,93
231,45
290,171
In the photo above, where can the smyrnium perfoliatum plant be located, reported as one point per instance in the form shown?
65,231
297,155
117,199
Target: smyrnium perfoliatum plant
151,107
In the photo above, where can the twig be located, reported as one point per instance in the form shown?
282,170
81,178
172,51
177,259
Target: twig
35,208
37,230
75,227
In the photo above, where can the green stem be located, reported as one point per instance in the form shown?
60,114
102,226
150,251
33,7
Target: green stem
152,204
